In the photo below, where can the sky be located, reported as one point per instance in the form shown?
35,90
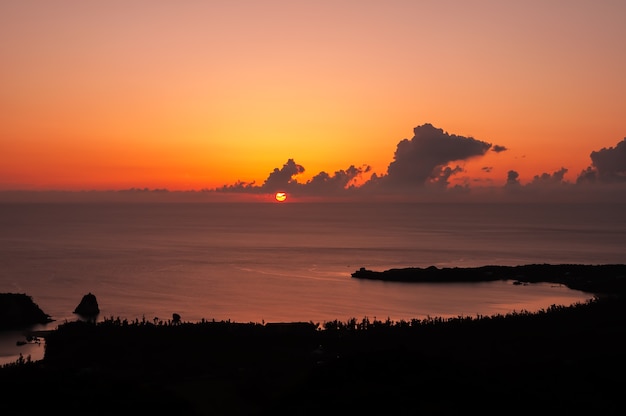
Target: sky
317,99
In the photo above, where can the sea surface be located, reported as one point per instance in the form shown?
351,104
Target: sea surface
287,262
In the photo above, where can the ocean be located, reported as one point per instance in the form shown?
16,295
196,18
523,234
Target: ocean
288,262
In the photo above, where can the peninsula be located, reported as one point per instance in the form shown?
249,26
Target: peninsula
597,279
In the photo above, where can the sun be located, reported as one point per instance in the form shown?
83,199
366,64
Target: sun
280,196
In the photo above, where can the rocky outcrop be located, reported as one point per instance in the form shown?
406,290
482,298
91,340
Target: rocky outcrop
17,310
88,306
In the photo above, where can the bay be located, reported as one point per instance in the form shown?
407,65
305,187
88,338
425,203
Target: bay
279,262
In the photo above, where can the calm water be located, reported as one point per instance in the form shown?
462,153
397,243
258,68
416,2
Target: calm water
289,262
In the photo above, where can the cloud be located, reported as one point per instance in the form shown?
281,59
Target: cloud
608,165
421,170
239,186
341,180
423,166
539,185
280,179
283,179
444,175
547,179
512,179
588,175
424,158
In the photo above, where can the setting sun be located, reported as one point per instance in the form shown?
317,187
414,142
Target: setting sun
280,196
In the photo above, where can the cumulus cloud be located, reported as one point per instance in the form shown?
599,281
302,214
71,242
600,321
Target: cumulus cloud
608,165
422,169
280,179
425,157
442,179
588,175
512,179
423,166
546,179
239,186
323,183
283,179
422,160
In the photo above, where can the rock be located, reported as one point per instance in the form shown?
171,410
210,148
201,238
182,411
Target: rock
88,306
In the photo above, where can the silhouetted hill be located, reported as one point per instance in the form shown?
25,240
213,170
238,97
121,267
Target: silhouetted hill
17,310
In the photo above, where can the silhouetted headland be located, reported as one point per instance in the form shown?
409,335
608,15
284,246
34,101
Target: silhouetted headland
18,310
597,279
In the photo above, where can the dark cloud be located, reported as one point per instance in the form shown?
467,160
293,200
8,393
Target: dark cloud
423,160
239,186
425,156
283,179
549,179
444,175
610,163
423,168
588,175
142,190
278,180
323,183
512,178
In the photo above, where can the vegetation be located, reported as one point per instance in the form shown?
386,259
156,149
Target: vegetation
561,359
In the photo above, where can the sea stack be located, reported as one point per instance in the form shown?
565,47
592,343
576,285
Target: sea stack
88,306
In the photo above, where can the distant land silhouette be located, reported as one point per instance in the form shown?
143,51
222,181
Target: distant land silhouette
598,279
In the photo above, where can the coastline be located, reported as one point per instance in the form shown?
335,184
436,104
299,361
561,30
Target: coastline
562,359
602,279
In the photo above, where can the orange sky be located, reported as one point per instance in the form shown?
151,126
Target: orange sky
199,94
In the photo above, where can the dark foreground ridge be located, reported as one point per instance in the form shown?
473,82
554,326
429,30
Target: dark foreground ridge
599,279
562,360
